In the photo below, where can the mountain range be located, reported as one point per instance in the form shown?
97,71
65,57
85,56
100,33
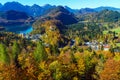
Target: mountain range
36,10
15,12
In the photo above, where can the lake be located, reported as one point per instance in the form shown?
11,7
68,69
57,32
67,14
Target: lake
25,29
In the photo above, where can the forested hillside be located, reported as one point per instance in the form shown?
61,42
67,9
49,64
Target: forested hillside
64,43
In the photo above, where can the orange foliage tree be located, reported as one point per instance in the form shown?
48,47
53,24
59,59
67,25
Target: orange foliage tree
111,70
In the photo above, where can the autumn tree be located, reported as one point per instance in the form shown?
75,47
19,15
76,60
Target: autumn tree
52,33
111,70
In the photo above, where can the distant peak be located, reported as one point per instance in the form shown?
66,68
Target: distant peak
46,5
1,5
36,5
13,2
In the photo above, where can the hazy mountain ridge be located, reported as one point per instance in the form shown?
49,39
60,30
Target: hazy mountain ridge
12,6
36,10
65,14
86,10
109,8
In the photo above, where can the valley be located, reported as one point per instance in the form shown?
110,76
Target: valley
56,42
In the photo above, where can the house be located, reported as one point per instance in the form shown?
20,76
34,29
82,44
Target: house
87,43
106,47
95,45
34,40
22,35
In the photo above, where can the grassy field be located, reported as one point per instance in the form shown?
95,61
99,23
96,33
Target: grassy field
117,30
118,44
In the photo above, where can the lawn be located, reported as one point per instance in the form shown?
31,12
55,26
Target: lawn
117,30
118,44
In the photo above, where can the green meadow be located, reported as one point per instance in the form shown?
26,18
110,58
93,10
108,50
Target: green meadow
116,30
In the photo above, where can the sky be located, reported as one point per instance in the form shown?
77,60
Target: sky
75,4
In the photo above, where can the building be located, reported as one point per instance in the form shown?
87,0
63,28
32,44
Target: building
106,47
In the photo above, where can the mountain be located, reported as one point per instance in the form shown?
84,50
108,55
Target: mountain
0,5
90,10
47,6
14,15
109,16
61,14
86,10
71,10
35,10
109,8
12,6
57,10
101,16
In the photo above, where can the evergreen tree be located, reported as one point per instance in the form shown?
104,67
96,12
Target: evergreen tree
15,51
55,50
4,57
40,53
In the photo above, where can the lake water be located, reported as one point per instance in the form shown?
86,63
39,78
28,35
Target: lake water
25,29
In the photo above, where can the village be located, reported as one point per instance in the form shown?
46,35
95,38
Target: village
94,45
